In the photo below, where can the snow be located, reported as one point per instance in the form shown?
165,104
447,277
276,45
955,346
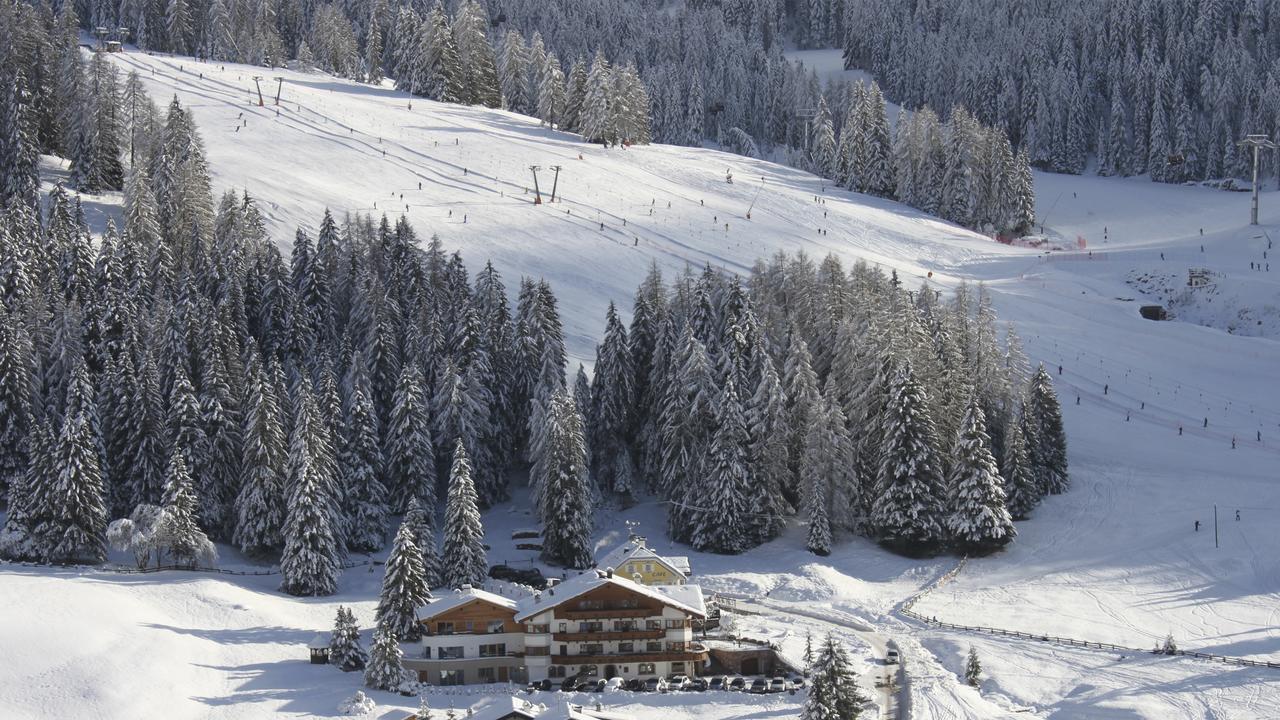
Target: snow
1115,559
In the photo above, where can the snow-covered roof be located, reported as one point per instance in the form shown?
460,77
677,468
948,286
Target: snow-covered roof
501,707
637,550
683,597
319,642
457,598
573,711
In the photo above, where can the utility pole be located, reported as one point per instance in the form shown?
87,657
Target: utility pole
1258,143
555,182
537,195
279,87
257,81
1215,525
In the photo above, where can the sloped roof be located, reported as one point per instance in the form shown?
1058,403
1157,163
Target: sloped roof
501,707
677,596
634,550
457,598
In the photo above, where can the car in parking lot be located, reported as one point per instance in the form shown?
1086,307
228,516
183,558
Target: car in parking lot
719,682
635,685
697,685
677,682
778,685
738,683
569,684
759,686
597,685
655,684
797,682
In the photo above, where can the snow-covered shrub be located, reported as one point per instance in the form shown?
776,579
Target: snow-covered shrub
358,704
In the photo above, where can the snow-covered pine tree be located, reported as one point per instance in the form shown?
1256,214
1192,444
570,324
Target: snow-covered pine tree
823,148
1047,445
767,458
978,520
77,524
594,123
719,523
424,534
384,670
1022,492
186,542
17,368
833,690
309,563
803,402
612,400
410,458
360,463
476,55
551,92
973,669
463,558
907,513
511,72
259,506
404,587
345,650
568,509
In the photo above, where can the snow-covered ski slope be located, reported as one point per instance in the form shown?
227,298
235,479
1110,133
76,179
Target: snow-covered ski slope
357,148
1114,560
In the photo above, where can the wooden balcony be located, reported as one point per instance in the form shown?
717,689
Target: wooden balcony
606,635
604,613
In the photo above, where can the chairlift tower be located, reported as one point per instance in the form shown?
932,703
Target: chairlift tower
279,86
537,194
1258,143
257,82
555,182
807,114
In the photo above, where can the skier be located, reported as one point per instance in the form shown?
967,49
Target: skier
419,184
1059,369
464,218
1237,516
1206,422
728,176
1105,389
1179,430
1197,526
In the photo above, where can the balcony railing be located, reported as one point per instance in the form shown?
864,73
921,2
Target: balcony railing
693,652
606,635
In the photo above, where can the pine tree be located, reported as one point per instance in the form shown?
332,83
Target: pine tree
1047,444
345,650
476,55
907,513
978,521
186,542
973,669
410,456
259,506
76,530
16,376
404,587
1022,492
833,691
384,671
360,462
463,559
424,534
309,563
720,522
767,455
612,400
567,513
594,123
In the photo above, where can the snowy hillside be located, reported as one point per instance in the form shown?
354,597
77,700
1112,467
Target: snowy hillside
1163,431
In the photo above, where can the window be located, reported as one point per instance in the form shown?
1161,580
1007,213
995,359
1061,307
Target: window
653,646
537,629
675,647
677,667
556,671
648,567
653,624
590,604
451,677
498,650
449,653
564,649
626,647
644,669
470,626
589,670
486,675
537,651
625,625
675,624
444,628
564,627
590,627
592,649
496,626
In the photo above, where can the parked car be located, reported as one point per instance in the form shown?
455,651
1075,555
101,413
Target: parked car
759,686
544,685
614,684
718,682
891,657
655,684
597,685
778,685
569,684
635,685
738,683
797,682
697,684
677,682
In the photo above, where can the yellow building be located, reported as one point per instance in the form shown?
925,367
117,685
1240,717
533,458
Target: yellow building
635,561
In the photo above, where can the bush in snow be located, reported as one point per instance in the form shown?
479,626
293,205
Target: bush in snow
1169,647
973,669
358,704
150,532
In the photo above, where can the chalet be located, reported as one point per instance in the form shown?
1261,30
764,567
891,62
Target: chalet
596,624
636,561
